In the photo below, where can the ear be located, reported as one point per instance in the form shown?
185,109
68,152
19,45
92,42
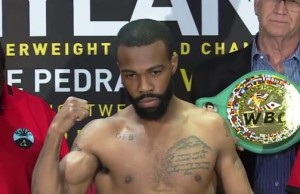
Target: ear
174,62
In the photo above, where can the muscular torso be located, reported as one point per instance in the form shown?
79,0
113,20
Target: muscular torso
177,158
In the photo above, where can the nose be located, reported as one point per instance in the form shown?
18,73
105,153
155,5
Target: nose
280,7
145,85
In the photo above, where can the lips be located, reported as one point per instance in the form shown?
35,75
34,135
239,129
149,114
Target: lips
149,102
278,20
281,22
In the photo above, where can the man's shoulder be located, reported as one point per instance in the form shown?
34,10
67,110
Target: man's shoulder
203,115
19,93
107,124
16,97
207,124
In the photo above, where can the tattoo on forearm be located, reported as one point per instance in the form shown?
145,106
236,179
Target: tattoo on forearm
75,147
188,155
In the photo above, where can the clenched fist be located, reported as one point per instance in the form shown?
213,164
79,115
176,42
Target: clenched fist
73,110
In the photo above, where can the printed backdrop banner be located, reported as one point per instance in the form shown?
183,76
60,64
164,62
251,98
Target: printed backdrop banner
61,48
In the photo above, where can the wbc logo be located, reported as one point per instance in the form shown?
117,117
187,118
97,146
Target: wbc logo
262,109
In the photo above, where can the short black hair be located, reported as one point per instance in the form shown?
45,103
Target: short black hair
144,32
2,58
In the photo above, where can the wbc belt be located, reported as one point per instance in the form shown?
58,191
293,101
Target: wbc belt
262,109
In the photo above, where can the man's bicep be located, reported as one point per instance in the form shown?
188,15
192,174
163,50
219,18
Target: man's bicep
231,170
77,170
229,166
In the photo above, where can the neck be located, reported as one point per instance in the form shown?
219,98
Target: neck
277,49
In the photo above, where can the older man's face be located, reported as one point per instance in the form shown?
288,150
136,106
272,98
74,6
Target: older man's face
278,18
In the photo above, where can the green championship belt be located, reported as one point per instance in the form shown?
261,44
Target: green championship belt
262,109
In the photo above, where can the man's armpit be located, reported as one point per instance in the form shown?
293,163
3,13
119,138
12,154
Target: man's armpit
75,147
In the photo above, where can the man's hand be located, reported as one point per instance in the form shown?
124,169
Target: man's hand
239,148
73,110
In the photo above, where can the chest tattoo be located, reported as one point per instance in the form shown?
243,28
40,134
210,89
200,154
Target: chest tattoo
188,155
185,157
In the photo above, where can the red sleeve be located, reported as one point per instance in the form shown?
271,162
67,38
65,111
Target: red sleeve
41,110
293,185
92,189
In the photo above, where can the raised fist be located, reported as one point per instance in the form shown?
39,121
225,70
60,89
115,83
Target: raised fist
73,110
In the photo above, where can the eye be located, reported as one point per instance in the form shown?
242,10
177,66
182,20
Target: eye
129,75
156,72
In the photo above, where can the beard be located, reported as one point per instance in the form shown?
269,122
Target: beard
154,113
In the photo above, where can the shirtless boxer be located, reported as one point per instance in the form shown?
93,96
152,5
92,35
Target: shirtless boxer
158,144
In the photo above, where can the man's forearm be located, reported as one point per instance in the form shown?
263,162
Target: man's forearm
46,178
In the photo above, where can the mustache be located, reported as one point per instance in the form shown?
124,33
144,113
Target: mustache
147,95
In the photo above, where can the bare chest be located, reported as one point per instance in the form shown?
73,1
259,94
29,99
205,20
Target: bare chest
163,165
